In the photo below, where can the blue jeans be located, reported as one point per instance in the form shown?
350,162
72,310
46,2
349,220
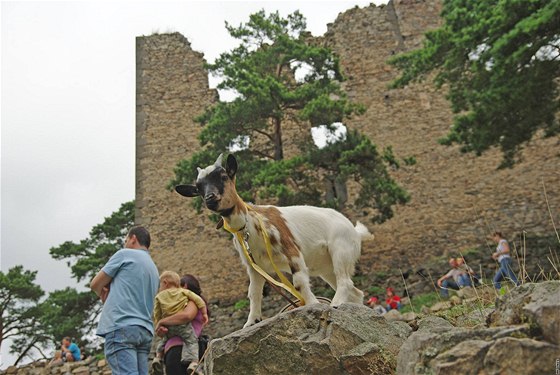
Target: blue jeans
448,284
463,281
127,349
503,272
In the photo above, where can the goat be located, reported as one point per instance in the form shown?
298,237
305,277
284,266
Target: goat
306,241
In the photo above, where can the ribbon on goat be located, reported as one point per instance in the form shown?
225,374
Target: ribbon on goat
285,283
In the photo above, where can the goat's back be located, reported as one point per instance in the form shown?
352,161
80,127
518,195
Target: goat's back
316,228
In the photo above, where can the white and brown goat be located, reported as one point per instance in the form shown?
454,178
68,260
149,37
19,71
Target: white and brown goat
306,241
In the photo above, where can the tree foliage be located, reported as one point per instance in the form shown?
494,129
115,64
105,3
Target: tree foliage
19,296
34,324
281,78
500,60
72,313
86,257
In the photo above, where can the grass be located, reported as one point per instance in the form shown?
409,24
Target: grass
462,315
428,300
241,304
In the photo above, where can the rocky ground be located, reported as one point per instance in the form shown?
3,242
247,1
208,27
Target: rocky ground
520,335
473,332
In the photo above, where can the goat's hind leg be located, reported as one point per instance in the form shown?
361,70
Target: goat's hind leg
343,269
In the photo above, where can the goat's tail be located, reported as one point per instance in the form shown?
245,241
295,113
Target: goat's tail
364,233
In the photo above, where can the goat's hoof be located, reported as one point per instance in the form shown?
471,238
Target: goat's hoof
252,322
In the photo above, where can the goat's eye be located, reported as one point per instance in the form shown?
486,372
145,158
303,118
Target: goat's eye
224,177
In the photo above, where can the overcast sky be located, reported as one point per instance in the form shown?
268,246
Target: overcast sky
68,110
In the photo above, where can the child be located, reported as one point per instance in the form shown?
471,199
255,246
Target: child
373,302
170,300
393,301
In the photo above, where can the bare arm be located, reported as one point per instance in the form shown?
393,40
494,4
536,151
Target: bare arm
100,285
446,276
182,317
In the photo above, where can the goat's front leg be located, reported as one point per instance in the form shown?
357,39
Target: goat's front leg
255,294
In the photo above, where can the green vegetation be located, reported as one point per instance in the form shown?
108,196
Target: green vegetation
281,78
34,324
499,60
19,296
463,315
376,291
241,304
428,300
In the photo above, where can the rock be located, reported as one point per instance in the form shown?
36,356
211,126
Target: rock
102,363
82,370
350,339
434,324
11,370
438,306
523,356
393,316
536,304
411,351
455,300
465,358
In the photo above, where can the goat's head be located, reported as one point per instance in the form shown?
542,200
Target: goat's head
215,185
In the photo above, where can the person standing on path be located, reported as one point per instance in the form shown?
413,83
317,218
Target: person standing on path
502,255
127,285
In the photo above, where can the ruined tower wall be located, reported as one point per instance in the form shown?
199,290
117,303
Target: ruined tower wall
171,89
456,198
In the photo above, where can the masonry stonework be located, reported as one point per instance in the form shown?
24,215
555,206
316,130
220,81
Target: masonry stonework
457,199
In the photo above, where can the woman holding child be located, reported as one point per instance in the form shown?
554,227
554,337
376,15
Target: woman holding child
177,311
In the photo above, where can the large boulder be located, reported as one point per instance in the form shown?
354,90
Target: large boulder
535,304
447,350
318,339
522,338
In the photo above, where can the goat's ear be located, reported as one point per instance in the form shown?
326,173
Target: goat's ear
187,190
231,167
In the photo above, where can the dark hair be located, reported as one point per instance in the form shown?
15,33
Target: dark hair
191,283
499,234
142,235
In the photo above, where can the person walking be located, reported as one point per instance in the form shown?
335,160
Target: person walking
502,255
127,285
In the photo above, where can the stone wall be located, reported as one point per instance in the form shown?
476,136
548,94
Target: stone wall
171,89
456,198
89,366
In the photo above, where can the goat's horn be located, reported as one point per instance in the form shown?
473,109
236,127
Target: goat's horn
198,169
218,162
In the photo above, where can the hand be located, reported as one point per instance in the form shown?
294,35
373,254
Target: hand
439,283
495,255
161,330
204,319
104,294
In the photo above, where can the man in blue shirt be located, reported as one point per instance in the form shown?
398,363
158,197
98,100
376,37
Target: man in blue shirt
127,285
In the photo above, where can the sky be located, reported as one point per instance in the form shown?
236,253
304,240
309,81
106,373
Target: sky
67,109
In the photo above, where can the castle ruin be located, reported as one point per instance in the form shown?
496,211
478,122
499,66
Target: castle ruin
456,199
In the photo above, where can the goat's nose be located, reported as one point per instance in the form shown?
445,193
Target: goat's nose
210,197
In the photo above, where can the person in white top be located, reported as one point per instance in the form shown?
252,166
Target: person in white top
502,255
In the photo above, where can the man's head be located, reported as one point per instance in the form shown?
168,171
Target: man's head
168,280
66,341
138,237
452,262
